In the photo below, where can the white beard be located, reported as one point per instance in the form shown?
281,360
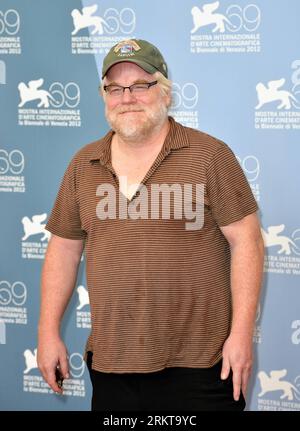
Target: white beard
132,129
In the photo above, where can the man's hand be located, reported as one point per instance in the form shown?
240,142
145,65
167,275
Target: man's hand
246,270
51,354
237,355
58,280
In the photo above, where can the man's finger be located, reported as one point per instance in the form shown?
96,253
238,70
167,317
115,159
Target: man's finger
225,369
51,380
245,380
237,383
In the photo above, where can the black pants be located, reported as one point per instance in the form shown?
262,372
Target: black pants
172,389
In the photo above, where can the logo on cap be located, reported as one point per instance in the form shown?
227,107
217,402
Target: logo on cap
127,47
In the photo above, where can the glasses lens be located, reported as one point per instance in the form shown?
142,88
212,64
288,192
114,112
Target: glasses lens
114,90
139,88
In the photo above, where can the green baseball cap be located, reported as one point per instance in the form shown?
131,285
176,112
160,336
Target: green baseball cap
137,51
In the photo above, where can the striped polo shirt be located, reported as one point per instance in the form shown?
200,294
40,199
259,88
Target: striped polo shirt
159,293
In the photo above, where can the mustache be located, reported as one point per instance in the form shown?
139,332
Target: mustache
129,109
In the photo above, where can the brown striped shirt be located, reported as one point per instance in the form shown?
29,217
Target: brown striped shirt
159,293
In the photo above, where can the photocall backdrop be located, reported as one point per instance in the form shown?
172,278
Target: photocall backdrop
235,65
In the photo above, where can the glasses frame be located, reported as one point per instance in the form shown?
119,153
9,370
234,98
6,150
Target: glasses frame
130,87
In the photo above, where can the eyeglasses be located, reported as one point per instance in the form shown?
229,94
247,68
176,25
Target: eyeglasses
135,89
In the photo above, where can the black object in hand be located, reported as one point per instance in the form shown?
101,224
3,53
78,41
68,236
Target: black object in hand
59,378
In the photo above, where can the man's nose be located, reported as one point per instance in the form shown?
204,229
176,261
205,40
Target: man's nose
127,96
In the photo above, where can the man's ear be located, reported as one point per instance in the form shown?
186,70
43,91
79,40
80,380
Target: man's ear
102,92
168,99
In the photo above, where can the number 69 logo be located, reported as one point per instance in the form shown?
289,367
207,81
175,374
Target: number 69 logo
77,365
15,293
68,95
119,21
13,162
184,97
250,166
9,22
248,18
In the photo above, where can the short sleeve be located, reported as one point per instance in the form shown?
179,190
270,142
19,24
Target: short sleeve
65,219
228,190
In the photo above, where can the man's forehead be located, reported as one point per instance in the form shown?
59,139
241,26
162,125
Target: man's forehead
127,67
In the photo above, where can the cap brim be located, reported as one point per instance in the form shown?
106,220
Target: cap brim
145,66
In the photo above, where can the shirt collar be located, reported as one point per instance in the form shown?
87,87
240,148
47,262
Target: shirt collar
176,138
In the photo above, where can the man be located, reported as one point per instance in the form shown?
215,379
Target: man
173,304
